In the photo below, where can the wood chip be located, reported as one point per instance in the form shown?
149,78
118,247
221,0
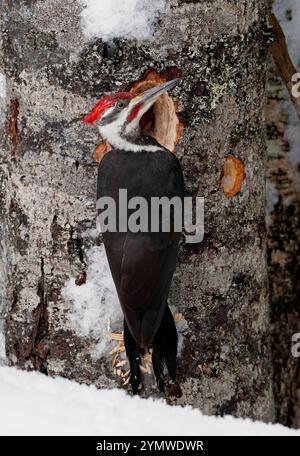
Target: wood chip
126,381
118,353
122,363
127,373
100,150
115,336
115,360
117,349
178,316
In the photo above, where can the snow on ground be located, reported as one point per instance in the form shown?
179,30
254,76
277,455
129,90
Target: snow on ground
108,19
94,303
288,14
33,404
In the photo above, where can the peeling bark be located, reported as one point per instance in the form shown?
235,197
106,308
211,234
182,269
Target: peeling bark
47,190
13,125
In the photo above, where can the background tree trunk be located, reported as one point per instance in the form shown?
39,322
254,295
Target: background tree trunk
283,217
47,190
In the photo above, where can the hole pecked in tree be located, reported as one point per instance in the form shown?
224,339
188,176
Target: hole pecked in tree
161,121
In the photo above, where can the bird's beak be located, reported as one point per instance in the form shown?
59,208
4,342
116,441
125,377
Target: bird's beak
148,97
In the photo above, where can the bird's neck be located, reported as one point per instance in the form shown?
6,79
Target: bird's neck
132,141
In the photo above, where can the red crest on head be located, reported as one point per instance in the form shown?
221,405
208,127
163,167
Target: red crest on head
104,104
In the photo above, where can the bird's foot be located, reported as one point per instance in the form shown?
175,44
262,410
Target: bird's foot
174,389
135,382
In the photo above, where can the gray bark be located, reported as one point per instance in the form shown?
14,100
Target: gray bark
47,190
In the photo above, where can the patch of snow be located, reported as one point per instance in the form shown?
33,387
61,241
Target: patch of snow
33,404
91,233
95,303
288,14
2,86
3,99
129,19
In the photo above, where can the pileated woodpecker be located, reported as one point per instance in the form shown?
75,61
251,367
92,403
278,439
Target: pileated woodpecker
142,263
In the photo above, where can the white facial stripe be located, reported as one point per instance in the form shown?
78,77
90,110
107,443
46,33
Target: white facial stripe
134,124
112,132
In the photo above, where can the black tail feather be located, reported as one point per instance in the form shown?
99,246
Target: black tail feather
165,349
164,353
133,355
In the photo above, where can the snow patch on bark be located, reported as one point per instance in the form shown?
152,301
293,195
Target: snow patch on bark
95,303
129,19
3,99
2,86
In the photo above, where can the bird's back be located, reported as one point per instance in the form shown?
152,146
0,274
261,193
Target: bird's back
142,263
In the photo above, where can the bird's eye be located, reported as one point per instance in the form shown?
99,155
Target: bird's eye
120,104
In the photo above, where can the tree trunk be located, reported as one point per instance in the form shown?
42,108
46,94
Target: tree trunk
283,216
47,191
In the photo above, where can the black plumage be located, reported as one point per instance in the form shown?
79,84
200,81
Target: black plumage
142,264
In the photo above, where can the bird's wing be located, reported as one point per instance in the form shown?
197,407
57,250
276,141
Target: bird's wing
142,264
142,274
